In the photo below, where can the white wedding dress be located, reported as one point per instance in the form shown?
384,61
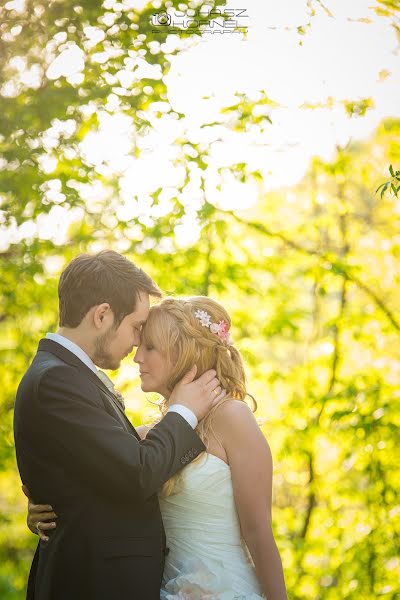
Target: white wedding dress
208,559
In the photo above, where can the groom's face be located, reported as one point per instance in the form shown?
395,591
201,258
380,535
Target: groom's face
116,343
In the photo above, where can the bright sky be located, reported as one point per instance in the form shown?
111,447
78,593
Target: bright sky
339,58
349,56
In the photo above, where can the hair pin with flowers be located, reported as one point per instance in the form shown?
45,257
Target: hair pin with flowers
221,329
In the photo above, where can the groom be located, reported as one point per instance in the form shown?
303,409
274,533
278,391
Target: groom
77,450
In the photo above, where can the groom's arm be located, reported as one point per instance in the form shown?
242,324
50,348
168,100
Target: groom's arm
98,450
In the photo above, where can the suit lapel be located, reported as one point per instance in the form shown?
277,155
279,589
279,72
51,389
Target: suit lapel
112,399
70,358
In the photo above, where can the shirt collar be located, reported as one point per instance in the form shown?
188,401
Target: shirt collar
74,348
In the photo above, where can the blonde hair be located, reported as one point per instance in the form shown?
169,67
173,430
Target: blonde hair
174,330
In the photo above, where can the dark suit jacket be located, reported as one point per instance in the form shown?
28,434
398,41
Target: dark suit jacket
77,451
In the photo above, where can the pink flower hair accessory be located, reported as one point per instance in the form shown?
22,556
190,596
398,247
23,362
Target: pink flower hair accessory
221,329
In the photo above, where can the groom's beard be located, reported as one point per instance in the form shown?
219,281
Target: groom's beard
102,357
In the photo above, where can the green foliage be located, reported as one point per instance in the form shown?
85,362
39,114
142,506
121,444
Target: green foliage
393,185
358,108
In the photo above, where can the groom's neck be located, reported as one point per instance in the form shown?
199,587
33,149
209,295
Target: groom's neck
79,337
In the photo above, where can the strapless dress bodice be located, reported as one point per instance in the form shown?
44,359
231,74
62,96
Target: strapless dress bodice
208,559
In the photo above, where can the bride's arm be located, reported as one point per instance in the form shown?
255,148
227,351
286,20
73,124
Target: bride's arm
250,460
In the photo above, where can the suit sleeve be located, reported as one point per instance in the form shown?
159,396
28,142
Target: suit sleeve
99,450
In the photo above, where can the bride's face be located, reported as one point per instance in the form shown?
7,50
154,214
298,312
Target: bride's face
154,369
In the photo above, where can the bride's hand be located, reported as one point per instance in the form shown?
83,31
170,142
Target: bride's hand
38,517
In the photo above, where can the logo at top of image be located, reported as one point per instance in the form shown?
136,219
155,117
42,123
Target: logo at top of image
203,18
163,18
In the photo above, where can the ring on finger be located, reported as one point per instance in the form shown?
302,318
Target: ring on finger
38,528
216,392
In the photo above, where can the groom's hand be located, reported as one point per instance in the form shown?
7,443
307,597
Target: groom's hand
200,395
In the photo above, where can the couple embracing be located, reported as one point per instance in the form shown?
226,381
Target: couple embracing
178,510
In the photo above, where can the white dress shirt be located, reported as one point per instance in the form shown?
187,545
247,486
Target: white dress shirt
185,412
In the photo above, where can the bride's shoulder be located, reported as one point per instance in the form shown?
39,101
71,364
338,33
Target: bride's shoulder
231,406
238,432
231,413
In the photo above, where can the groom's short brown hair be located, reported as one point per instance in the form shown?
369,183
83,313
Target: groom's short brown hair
89,280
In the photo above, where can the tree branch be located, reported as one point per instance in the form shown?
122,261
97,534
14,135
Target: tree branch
337,267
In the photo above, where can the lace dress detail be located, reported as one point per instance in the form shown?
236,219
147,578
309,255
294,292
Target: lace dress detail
208,559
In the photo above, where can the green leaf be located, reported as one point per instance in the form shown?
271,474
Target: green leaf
384,188
378,188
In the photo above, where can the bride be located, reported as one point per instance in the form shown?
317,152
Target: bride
217,510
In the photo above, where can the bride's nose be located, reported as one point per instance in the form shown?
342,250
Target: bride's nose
137,357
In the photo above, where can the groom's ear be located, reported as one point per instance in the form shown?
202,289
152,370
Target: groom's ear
102,316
